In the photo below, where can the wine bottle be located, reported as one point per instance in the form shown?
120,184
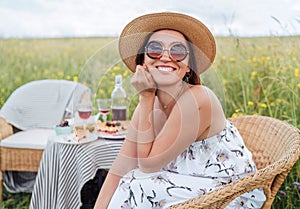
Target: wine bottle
118,99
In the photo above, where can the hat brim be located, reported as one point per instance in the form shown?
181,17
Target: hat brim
135,32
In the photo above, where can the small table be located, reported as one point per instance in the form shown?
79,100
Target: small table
65,168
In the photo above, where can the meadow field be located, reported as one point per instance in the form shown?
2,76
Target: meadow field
251,76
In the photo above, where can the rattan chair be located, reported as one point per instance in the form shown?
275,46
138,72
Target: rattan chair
275,146
33,109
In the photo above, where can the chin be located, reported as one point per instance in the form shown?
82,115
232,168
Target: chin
166,80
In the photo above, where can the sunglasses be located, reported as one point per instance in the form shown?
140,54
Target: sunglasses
177,52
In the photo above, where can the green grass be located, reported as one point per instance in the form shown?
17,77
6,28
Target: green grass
252,76
15,201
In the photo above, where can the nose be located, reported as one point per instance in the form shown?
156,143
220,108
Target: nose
165,55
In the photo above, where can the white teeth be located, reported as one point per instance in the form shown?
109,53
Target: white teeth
165,69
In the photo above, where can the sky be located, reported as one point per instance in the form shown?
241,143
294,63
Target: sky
77,18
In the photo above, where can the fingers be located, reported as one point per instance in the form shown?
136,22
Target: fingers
142,80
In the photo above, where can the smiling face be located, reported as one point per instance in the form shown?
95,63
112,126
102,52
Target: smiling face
168,68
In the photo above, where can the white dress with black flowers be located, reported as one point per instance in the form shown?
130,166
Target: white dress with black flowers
202,167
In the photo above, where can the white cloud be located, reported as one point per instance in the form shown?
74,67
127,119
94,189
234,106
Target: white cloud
42,18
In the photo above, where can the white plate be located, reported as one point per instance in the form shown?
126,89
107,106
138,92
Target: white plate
111,136
70,139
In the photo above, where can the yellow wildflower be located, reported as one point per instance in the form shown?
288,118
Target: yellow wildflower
46,71
125,73
75,78
263,58
262,105
27,55
117,68
101,91
250,103
296,72
292,53
253,75
234,115
231,59
61,74
298,85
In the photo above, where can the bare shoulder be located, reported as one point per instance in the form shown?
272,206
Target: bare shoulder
211,109
201,89
204,95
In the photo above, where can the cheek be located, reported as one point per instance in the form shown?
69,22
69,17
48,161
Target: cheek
184,67
185,62
148,61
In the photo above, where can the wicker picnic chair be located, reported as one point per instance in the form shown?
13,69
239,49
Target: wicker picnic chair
275,146
27,119
16,159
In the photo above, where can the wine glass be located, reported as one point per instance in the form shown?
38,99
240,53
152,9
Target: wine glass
85,111
104,108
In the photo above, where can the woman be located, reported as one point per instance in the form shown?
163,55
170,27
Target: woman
179,144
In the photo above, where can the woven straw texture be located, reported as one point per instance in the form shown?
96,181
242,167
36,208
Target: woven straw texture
5,129
275,146
16,159
135,33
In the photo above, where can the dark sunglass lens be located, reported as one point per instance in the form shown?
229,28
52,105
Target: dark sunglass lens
154,50
178,52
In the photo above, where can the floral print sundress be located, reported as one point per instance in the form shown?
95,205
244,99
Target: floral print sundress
202,167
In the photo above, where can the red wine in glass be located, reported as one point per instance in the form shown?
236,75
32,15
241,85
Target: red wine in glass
104,111
84,113
104,107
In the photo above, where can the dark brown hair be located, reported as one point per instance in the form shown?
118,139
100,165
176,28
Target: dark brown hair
193,77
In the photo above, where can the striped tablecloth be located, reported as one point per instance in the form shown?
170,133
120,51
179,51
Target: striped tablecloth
65,168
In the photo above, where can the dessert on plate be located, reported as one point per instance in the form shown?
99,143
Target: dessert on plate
113,127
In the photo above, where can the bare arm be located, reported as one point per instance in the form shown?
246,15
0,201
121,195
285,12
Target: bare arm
194,114
126,161
107,190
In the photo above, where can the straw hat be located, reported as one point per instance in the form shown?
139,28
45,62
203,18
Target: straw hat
135,32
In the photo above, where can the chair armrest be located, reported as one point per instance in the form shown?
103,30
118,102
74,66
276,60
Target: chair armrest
222,196
5,129
284,155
